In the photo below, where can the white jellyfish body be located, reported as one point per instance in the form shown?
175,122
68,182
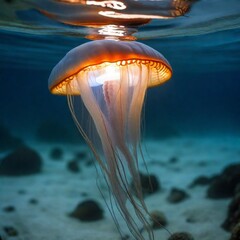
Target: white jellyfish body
112,77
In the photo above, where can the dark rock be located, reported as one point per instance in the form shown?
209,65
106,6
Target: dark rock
87,211
73,166
223,186
10,231
84,194
201,181
181,236
81,155
33,201
56,153
22,192
177,195
233,215
89,162
22,161
125,237
219,189
9,209
237,189
158,219
7,141
149,183
191,219
173,160
236,232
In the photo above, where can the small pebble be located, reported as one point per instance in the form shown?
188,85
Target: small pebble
191,220
33,201
125,237
22,192
10,231
177,195
56,153
89,162
181,236
84,194
9,209
88,210
73,166
150,184
158,219
173,160
81,155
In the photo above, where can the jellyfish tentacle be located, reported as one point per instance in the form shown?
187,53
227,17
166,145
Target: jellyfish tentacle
109,168
119,100
116,98
112,78
134,116
92,107
71,107
124,115
117,116
112,131
119,191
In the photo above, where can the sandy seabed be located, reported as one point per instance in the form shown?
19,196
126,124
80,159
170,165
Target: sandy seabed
58,191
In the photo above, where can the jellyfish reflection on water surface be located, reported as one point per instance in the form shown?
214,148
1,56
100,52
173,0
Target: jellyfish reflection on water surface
112,77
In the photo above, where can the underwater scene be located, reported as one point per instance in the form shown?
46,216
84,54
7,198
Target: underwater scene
120,120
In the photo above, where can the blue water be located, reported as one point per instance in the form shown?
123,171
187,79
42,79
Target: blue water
201,99
202,96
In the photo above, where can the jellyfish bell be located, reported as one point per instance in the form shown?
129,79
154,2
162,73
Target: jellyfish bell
112,78
100,53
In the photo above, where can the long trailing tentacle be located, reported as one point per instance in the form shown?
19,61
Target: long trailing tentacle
118,129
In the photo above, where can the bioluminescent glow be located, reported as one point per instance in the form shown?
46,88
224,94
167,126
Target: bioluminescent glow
112,77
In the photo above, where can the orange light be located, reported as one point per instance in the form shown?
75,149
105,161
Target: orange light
111,78
118,5
94,56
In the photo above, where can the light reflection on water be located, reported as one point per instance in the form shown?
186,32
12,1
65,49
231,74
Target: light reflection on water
203,48
44,17
211,52
208,33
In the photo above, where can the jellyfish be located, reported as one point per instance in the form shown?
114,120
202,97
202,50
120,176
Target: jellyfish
111,77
